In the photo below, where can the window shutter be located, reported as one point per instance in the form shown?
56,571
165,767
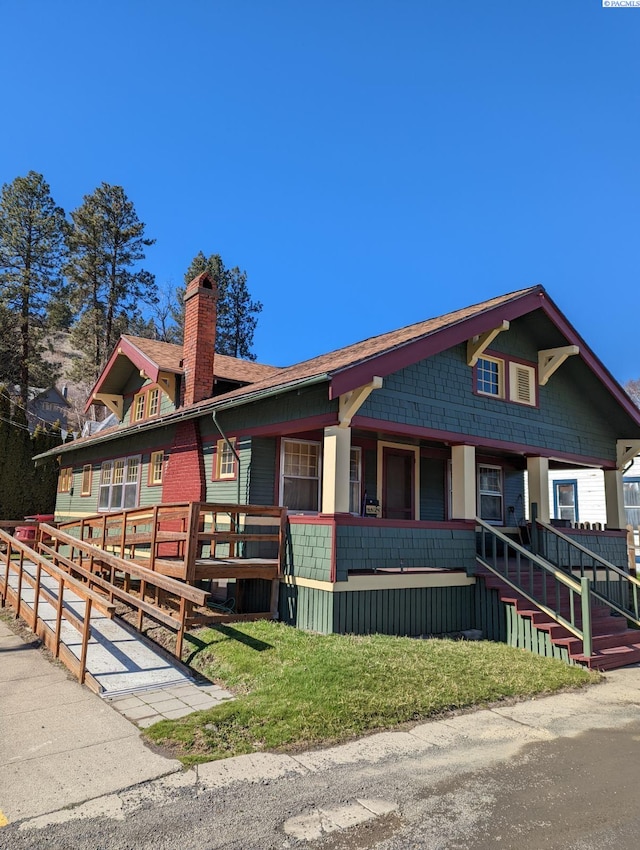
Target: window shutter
522,384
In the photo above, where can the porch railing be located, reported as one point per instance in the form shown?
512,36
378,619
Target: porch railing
563,598
610,584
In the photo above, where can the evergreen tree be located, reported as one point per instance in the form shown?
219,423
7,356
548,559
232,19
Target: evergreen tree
32,230
236,311
106,245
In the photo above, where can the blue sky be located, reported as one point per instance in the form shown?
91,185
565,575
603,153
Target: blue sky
370,163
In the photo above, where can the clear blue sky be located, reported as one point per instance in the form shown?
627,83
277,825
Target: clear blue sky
370,163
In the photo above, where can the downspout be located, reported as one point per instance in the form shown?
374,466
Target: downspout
231,448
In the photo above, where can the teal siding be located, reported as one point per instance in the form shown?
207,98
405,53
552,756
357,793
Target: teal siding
263,471
368,547
513,496
612,549
432,489
308,551
234,490
284,408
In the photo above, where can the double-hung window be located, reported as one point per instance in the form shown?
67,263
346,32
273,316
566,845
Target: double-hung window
225,463
565,500
490,494
355,479
631,490
119,484
300,475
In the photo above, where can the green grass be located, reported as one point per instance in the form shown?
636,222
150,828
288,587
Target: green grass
295,689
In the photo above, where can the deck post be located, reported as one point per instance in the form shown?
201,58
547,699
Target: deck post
585,600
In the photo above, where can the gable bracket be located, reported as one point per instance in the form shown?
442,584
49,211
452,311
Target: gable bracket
550,359
167,383
479,344
352,401
626,450
115,403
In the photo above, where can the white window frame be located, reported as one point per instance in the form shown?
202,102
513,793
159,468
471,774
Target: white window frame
355,484
283,446
501,377
481,493
627,508
126,485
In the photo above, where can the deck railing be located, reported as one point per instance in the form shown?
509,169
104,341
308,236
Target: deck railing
610,584
22,567
565,599
163,599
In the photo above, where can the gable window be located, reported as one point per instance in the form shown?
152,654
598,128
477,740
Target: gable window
225,460
153,402
355,478
300,475
490,376
156,466
65,479
119,484
565,500
490,494
631,491
138,407
85,489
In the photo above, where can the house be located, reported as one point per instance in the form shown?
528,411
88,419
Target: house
46,406
384,452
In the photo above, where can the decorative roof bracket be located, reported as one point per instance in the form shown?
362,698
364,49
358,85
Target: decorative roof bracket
167,383
626,450
115,403
351,402
550,359
478,344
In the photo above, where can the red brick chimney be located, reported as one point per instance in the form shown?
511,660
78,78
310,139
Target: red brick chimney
199,338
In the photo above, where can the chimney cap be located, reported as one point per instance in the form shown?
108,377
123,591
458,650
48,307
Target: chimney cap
205,281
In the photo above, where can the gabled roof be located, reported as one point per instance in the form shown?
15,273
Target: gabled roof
347,368
153,357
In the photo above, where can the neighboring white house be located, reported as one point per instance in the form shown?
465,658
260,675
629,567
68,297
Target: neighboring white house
578,495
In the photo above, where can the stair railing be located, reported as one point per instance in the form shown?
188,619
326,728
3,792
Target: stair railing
563,598
568,555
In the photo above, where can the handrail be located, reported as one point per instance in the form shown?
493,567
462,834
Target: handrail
511,571
30,613
630,611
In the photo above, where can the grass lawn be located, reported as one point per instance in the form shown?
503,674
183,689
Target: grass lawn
296,689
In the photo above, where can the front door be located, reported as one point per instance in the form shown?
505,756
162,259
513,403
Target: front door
398,483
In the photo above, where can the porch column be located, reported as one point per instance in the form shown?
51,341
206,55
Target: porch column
614,499
336,462
538,473
463,482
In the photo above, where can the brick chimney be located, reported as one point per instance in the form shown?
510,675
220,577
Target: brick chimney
199,338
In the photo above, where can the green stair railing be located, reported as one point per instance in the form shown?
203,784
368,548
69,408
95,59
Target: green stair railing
562,597
610,584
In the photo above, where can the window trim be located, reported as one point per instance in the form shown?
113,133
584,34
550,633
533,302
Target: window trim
151,481
139,396
631,479
358,481
65,479
480,492
145,393
556,503
86,491
507,365
219,453
281,475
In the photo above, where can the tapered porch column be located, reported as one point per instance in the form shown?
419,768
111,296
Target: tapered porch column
538,473
463,482
336,462
614,498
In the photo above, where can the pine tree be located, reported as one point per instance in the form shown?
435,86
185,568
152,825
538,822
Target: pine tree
106,245
32,230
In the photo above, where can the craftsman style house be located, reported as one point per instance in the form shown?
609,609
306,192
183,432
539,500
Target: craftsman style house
384,452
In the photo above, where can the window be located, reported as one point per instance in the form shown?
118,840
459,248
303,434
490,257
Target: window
225,460
85,489
355,478
522,384
490,376
565,500
65,479
153,404
156,466
138,407
490,494
300,476
631,490
119,484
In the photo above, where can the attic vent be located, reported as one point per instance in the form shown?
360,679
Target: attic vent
522,384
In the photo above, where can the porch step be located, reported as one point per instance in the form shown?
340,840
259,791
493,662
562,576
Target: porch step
614,644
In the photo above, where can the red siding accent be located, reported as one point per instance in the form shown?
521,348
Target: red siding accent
199,338
183,479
